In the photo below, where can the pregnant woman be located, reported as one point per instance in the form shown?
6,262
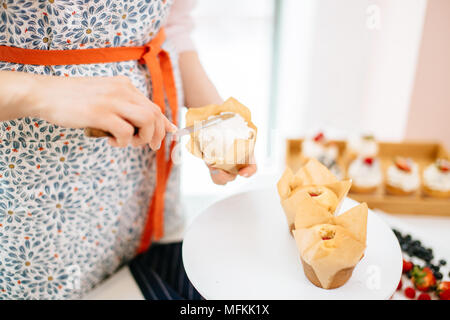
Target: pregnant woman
74,209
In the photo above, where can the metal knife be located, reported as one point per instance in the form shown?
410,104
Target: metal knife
97,133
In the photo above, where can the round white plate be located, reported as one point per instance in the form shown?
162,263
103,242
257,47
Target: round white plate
240,248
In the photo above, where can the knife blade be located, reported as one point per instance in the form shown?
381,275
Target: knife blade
98,133
202,125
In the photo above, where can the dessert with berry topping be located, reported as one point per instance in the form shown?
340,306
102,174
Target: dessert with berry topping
366,174
362,146
403,177
318,147
436,179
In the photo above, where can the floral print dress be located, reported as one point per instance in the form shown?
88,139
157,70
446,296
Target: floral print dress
72,208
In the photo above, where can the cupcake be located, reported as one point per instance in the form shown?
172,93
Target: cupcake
228,145
313,186
366,175
318,147
436,179
362,146
403,177
331,248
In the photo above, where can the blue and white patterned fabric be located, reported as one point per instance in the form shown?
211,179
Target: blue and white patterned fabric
72,208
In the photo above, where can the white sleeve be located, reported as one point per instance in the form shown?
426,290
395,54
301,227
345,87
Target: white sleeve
180,24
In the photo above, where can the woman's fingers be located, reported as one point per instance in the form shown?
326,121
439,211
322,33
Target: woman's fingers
151,122
137,97
158,135
248,171
169,126
121,130
221,177
145,134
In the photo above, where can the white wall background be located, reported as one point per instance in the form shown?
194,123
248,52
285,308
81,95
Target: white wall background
351,68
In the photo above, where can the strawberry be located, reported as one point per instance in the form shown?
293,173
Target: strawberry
423,278
443,165
319,137
410,293
424,296
443,290
399,286
407,266
403,164
368,161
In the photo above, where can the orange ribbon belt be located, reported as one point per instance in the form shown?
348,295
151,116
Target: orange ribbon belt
160,67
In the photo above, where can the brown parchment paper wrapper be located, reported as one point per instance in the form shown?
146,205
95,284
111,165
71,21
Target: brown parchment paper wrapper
237,157
329,263
296,202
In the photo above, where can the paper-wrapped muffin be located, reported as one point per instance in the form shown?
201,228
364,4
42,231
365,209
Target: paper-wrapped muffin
228,145
330,246
312,184
330,250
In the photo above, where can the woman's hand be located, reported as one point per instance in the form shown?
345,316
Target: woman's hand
222,177
112,104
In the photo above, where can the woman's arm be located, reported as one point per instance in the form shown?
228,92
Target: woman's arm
112,104
198,89
16,100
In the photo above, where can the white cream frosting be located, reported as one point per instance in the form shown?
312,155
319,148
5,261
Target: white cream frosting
313,149
407,181
363,147
436,179
216,141
365,175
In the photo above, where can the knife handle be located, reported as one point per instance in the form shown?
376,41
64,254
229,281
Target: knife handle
98,133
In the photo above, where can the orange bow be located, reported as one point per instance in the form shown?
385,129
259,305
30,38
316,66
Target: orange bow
158,63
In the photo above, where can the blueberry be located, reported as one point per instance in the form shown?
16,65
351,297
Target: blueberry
416,243
442,262
419,252
408,238
438,275
405,247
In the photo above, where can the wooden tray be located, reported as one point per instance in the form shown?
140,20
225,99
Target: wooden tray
422,152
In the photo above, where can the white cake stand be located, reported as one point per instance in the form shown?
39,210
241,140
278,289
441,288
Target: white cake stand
240,248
